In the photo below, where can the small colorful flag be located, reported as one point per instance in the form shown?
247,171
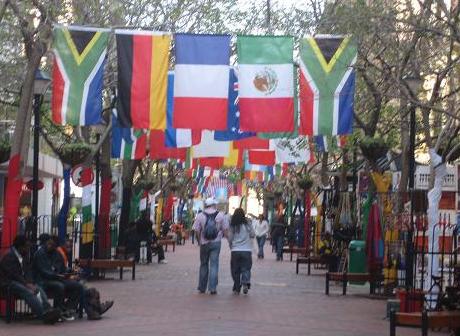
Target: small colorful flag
78,71
251,143
201,85
295,150
234,159
158,150
208,147
128,143
233,131
261,157
266,83
143,58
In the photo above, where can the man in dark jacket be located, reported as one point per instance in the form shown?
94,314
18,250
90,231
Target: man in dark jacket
277,233
14,277
48,275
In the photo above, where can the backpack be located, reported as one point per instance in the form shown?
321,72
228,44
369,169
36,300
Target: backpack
210,231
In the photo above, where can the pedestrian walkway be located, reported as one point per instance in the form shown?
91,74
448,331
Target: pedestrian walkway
163,300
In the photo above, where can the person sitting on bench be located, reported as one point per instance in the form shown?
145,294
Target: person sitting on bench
94,308
47,275
15,278
158,249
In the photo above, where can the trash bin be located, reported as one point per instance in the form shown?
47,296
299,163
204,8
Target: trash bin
357,258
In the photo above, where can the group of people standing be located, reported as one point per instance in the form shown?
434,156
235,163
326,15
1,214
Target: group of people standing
210,226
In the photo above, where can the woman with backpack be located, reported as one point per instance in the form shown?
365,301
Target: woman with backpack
240,238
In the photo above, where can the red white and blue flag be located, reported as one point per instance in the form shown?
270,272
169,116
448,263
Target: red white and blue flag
201,81
177,137
233,131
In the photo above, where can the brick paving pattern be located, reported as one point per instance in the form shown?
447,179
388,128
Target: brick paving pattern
163,301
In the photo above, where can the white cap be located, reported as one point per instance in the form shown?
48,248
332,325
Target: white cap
210,201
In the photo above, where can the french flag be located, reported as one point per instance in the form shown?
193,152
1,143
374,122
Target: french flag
201,81
177,137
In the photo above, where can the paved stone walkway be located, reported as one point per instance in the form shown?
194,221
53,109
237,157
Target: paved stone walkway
163,301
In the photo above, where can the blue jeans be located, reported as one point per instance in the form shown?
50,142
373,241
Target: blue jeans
241,264
279,247
260,244
38,306
209,266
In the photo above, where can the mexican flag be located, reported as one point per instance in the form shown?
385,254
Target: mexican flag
266,83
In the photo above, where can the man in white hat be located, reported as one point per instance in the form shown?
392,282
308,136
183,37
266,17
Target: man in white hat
210,226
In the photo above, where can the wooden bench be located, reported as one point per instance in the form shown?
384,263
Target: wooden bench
313,259
425,320
166,242
294,249
104,264
345,277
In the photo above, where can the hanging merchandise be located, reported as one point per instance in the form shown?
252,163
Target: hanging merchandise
78,71
233,131
266,83
327,82
143,58
345,211
177,137
201,85
365,212
128,143
374,241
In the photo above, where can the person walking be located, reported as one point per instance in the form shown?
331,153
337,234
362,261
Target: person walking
209,226
261,230
240,239
277,234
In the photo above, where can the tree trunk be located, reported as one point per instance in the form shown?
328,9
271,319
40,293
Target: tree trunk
129,168
405,157
324,177
62,219
104,209
21,141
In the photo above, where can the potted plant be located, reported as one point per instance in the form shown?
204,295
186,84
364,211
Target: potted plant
174,186
75,153
5,150
145,184
373,148
305,182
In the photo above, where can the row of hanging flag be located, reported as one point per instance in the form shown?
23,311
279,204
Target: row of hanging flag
214,148
260,97
209,182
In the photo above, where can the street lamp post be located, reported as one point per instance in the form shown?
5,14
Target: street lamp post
41,84
413,82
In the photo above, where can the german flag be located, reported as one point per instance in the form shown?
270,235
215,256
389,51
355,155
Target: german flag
142,78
